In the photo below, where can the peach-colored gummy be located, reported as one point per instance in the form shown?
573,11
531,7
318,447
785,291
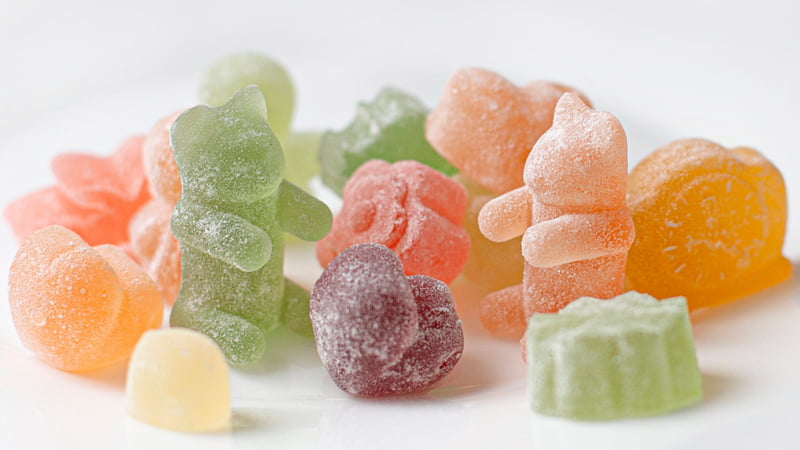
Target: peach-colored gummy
77,307
486,126
572,211
710,223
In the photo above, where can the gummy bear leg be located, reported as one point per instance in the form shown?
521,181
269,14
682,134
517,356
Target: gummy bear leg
502,313
240,341
295,313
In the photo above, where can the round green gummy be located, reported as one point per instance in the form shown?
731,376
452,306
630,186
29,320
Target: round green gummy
391,128
605,359
236,71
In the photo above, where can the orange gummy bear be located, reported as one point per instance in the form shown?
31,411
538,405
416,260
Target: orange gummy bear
486,126
151,236
710,223
78,307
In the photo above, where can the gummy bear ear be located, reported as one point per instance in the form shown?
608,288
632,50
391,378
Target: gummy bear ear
247,103
569,108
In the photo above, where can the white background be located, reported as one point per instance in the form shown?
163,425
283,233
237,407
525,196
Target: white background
84,75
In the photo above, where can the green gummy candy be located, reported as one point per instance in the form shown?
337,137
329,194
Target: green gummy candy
235,207
240,70
605,359
296,314
391,128
300,150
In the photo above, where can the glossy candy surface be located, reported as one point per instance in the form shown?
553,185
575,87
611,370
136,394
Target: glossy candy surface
379,332
230,222
77,307
409,207
710,223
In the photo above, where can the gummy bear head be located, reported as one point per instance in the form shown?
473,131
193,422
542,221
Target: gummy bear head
581,161
228,154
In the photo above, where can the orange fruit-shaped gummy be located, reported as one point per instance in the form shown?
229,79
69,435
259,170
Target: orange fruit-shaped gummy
79,308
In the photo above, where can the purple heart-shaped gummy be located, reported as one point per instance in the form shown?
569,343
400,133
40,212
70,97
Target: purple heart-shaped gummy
379,332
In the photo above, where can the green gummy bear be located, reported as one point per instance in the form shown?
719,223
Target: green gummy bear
235,207
300,150
605,359
391,128
240,70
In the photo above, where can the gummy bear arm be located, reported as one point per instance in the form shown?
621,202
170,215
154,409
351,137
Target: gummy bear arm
222,235
301,214
506,216
575,237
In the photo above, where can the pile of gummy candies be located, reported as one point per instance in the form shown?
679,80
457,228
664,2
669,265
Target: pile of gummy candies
524,192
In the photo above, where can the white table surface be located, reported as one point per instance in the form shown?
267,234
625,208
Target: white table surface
85,76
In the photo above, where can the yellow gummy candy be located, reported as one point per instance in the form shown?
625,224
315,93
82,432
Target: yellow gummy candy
178,379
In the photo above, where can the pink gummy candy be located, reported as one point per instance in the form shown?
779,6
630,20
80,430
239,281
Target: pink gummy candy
93,196
486,126
414,210
572,211
379,332
152,240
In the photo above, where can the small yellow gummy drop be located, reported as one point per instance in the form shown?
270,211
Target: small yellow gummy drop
178,379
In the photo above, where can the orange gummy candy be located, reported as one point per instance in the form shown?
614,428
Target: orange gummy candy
78,307
151,236
572,215
486,126
93,196
710,223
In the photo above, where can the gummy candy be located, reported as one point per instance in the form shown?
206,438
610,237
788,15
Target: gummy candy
710,223
379,332
605,359
178,379
300,151
409,207
391,128
77,307
230,221
93,196
486,126
234,72
491,265
577,229
151,238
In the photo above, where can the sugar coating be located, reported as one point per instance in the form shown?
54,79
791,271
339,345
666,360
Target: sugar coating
230,221
606,359
94,196
710,223
379,332
234,72
178,379
151,238
409,207
486,126
572,213
390,128
79,308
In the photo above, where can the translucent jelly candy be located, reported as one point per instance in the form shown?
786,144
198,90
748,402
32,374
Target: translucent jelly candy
93,196
230,221
492,265
391,128
710,223
151,237
78,307
409,207
240,70
607,359
379,332
178,379
572,211
300,150
486,126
